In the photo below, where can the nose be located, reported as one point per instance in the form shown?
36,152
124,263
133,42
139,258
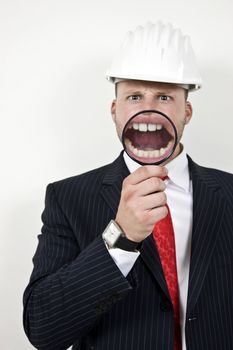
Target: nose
150,103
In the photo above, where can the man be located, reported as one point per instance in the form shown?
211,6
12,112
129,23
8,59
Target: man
102,284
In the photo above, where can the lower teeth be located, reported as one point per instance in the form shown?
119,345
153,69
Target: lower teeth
147,154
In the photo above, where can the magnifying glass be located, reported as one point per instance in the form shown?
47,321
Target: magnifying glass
149,137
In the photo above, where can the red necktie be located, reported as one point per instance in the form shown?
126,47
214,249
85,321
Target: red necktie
163,234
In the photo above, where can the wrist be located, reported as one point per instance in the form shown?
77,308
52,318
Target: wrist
115,237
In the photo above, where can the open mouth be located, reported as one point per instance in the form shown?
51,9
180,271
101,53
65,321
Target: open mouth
150,140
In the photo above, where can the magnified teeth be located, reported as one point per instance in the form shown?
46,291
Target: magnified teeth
151,127
162,151
156,153
147,154
143,127
140,153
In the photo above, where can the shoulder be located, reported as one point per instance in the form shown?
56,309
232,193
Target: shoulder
91,181
221,175
212,177
203,171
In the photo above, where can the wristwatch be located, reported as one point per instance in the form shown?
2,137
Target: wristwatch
114,237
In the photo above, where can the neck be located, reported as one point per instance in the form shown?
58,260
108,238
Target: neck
178,150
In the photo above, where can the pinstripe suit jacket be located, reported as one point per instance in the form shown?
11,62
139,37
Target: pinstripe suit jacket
77,295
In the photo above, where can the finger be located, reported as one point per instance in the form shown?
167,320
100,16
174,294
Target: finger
145,172
151,185
153,201
157,214
150,217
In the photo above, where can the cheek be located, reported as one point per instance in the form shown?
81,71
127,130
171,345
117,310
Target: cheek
179,122
121,115
125,110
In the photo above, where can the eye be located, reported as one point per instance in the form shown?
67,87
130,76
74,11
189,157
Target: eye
134,98
164,98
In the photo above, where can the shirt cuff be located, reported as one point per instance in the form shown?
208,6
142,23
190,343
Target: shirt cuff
123,259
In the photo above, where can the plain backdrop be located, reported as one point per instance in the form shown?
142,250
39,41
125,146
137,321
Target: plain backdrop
55,103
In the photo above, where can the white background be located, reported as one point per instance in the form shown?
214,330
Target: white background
54,109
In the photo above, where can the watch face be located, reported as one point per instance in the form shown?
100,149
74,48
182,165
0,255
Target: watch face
111,234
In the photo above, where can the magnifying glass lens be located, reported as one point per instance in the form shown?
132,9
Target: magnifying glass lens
149,137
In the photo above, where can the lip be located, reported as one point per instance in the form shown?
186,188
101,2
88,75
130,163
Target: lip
153,119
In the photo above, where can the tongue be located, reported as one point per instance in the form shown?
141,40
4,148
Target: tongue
149,141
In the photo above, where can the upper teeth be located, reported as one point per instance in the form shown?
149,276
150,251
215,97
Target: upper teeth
146,127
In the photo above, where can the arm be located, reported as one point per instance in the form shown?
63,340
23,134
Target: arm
69,289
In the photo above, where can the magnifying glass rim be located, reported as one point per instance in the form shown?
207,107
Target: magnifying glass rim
174,128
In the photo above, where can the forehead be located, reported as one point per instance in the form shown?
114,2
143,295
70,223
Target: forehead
130,86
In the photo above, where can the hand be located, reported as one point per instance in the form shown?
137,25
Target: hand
142,202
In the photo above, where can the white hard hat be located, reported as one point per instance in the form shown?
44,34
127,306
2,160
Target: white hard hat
158,53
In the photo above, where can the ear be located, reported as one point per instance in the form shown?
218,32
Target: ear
188,112
113,110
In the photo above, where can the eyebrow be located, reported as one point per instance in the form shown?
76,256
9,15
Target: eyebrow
138,92
132,92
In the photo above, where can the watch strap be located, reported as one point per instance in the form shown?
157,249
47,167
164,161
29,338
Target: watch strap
126,244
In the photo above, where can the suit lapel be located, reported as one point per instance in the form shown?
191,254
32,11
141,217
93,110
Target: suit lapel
111,192
112,182
208,210
150,256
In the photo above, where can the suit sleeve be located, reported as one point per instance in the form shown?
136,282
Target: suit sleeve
69,289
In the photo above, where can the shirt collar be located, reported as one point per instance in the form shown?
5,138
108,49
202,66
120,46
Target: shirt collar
178,170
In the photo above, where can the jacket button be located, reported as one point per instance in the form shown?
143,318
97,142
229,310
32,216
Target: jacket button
165,306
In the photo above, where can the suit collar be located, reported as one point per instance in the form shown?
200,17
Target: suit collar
203,174
112,182
116,171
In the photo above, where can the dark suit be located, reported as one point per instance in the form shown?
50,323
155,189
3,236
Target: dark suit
77,295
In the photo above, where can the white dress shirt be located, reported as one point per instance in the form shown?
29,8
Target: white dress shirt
179,199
